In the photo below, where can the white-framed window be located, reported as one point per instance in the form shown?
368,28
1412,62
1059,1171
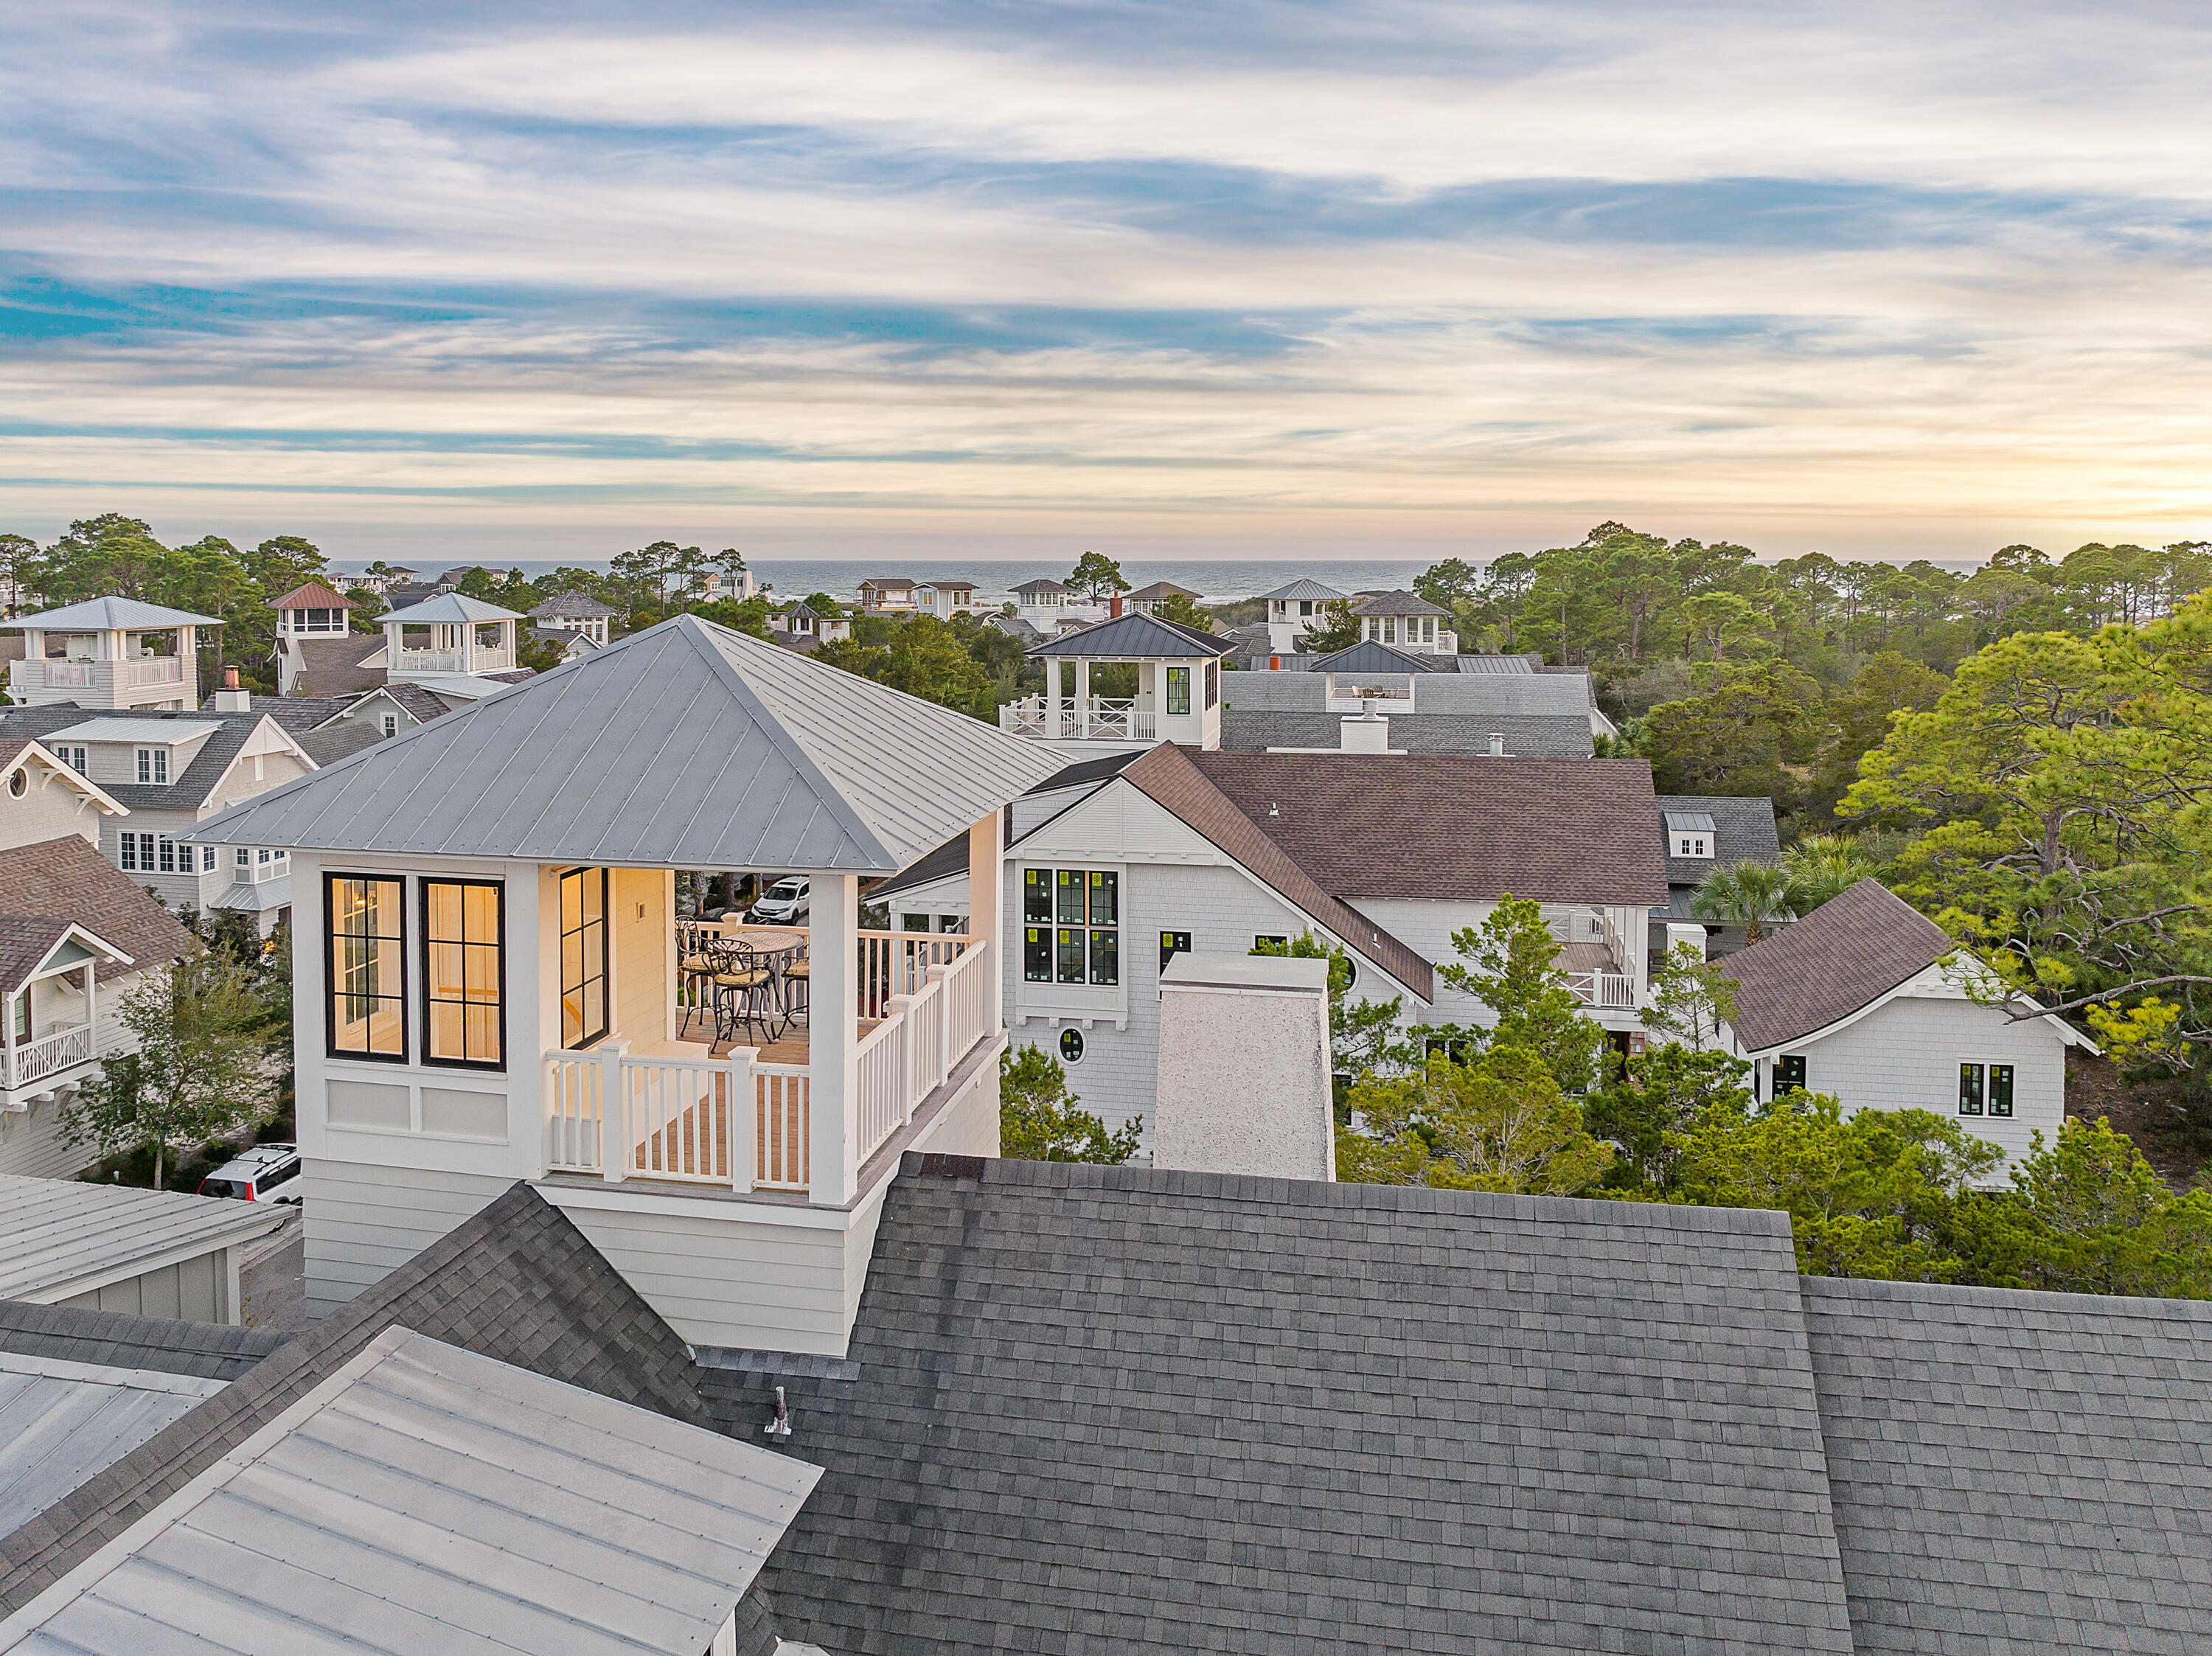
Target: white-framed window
244,855
390,724
154,765
207,859
1072,926
1985,1088
151,853
1693,845
73,757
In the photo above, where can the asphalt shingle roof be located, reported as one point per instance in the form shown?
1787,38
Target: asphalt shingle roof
1743,831
1851,951
114,1339
1111,1409
2016,1471
1399,603
573,606
66,879
332,666
188,789
1469,830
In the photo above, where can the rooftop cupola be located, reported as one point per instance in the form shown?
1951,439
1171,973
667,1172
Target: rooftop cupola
448,636
108,652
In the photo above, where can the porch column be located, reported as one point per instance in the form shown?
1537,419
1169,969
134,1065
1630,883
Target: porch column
1083,696
986,895
832,1037
1052,695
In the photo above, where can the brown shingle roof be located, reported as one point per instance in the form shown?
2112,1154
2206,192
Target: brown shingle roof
1459,828
66,878
333,665
1168,775
1850,951
313,595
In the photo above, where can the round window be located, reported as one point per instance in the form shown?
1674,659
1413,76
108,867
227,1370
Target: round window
1071,1045
19,781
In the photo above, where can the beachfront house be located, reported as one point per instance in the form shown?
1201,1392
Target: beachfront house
493,982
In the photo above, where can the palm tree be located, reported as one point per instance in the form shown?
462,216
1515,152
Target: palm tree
1748,895
1821,866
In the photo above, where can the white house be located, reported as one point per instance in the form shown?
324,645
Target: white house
1117,865
108,652
944,599
1295,611
1404,622
313,627
76,936
172,770
575,612
1869,1001
1170,687
491,981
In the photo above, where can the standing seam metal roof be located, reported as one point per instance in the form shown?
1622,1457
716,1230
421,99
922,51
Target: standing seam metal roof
436,1500
1137,635
687,745
61,1422
110,615
58,1232
448,609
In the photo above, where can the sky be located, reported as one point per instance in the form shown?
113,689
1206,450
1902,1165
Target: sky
1212,280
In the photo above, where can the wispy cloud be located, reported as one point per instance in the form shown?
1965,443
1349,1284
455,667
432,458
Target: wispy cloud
1863,277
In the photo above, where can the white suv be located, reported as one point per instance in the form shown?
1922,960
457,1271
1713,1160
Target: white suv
783,903
267,1173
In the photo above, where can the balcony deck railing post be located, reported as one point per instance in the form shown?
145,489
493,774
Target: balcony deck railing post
614,1110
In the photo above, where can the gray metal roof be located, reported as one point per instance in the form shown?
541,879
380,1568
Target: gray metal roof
1688,822
61,1422
109,615
1302,588
1136,636
58,1237
448,609
687,746
166,731
1369,657
1478,662
423,1499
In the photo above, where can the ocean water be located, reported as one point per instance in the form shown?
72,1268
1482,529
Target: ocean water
995,581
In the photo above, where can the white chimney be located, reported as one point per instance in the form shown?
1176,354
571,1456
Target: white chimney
230,698
1365,733
1497,744
1244,1081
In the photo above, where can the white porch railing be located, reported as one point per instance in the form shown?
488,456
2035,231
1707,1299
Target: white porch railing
480,660
624,1117
53,674
50,1054
1613,990
1097,720
741,1123
155,669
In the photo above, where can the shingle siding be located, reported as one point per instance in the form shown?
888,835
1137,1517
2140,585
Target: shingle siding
1906,1056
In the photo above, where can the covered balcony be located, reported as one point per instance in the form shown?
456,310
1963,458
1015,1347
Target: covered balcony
1597,955
1133,679
51,1004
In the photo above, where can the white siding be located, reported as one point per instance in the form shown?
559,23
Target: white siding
49,810
363,1221
30,1143
1905,1055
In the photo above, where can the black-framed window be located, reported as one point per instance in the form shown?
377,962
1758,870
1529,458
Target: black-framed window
583,956
1985,1088
1212,683
365,967
464,973
1178,689
1789,1074
1072,926
1173,943
1280,944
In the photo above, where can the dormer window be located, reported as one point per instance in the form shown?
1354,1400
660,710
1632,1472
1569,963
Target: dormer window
153,766
1690,834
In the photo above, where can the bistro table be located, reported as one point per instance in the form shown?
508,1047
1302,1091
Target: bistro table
778,948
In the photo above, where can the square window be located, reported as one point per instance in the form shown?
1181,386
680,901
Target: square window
1173,943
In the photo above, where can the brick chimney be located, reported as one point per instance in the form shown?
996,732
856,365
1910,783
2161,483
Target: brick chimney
1114,606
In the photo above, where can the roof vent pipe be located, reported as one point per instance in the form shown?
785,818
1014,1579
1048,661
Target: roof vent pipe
779,1427
1497,744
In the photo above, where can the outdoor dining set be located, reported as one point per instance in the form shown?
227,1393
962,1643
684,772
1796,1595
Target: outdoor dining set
753,982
